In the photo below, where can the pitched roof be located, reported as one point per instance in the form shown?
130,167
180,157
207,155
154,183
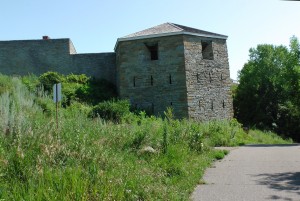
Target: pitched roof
170,29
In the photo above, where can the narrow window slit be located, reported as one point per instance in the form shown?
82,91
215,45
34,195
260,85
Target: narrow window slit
134,81
151,80
170,79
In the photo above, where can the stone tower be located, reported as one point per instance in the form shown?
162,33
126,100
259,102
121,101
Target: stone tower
171,65
168,65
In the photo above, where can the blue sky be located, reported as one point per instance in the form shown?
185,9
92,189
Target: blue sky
95,25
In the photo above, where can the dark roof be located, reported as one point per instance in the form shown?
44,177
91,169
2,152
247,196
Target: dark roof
170,29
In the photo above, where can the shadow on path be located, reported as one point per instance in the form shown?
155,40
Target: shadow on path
272,145
288,182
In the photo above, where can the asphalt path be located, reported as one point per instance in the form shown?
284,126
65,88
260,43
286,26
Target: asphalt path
253,173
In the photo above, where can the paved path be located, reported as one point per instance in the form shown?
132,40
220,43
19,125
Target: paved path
254,173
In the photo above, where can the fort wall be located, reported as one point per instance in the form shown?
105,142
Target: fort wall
207,78
39,56
99,65
153,84
187,71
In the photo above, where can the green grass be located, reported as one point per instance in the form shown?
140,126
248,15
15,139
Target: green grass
94,159
265,137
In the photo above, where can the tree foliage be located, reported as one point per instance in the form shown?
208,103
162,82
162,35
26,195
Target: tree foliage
268,95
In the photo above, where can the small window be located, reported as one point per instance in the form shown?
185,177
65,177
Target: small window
207,50
151,80
170,79
171,103
153,49
223,104
212,105
134,81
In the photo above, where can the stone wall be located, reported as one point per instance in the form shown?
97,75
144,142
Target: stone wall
39,56
153,84
34,56
99,65
207,80
188,73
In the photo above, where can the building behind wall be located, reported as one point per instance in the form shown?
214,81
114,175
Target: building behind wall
168,65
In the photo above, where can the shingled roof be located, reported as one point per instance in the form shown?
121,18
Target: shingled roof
170,29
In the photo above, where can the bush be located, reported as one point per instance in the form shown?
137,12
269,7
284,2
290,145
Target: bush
78,88
111,110
5,84
196,143
49,79
95,91
31,81
81,79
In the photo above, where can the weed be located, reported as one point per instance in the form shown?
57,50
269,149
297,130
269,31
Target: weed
219,154
100,158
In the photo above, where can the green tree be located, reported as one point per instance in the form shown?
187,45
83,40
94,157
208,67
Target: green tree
268,94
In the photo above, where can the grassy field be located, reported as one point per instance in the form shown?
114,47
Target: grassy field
138,158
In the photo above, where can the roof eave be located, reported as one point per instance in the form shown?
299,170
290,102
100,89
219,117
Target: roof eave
169,34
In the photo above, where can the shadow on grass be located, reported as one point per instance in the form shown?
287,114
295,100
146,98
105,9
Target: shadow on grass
288,182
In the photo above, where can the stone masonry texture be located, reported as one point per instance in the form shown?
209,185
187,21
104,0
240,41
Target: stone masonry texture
39,56
168,65
135,70
208,81
199,88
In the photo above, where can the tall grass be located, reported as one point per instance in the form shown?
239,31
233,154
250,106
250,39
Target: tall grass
142,158
16,106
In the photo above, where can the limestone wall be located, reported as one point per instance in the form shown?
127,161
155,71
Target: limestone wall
207,80
99,65
34,56
153,84
39,56
188,73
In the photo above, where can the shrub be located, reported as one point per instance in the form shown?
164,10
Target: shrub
220,154
96,90
196,143
81,79
111,110
69,93
49,79
76,87
31,81
5,84
46,105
